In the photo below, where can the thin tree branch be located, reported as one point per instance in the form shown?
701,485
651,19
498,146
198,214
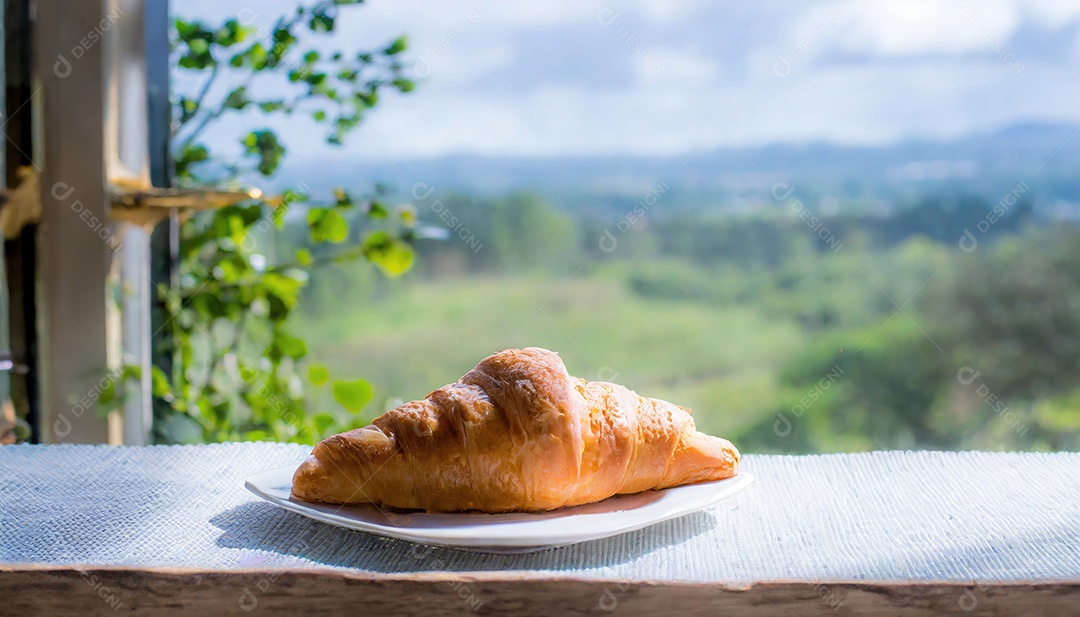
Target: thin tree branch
199,104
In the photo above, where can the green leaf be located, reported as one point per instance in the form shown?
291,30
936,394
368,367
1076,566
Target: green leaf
321,22
188,108
314,215
289,196
367,99
231,33
236,99
194,31
311,57
160,381
352,395
290,346
391,255
196,153
319,115
342,126
303,257
108,393
342,198
318,374
270,106
131,371
283,40
404,85
254,56
198,55
334,227
407,214
325,224
377,211
183,28
265,145
283,288
190,156
322,422
399,45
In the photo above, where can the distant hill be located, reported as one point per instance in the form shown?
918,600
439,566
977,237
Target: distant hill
1044,156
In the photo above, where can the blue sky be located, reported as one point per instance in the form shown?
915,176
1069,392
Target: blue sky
573,77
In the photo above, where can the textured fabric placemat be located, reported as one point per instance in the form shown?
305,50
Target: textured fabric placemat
883,516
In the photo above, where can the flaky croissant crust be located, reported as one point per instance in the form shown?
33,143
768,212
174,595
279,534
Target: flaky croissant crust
517,433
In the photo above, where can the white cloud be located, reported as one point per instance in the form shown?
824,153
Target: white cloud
667,10
676,65
899,28
1053,12
860,72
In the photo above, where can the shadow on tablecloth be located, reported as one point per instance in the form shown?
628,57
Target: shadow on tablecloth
257,526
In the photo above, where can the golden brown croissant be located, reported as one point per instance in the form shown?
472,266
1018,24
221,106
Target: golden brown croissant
517,433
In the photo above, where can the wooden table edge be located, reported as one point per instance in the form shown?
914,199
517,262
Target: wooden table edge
38,588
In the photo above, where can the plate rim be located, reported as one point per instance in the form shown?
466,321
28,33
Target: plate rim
457,537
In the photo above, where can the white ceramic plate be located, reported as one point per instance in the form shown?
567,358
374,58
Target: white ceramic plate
517,532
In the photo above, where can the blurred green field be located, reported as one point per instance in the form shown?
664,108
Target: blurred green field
419,335
772,340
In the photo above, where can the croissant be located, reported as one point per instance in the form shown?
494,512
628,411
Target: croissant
517,433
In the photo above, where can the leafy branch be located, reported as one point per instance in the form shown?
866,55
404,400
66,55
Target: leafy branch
238,371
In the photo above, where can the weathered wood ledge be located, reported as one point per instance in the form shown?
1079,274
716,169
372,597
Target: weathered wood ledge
36,589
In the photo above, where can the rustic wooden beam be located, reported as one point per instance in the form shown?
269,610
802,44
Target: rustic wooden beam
74,248
33,590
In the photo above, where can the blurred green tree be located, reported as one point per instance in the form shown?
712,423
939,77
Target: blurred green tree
1011,312
858,390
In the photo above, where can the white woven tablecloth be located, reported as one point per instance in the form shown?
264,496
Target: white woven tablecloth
855,517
